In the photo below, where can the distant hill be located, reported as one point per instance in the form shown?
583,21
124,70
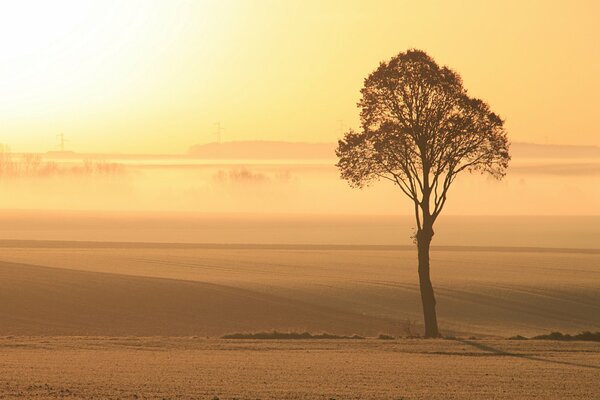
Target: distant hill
264,150
62,154
533,150
299,150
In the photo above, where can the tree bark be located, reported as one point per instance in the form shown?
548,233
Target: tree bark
424,237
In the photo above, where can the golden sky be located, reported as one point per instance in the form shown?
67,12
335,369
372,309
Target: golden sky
155,76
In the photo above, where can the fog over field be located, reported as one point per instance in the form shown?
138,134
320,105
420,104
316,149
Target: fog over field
542,180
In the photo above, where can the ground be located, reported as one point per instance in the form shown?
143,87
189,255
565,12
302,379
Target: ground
138,289
200,368
143,321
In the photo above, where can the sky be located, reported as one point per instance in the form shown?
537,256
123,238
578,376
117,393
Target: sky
144,76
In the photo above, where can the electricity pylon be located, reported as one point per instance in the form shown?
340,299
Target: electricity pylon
61,141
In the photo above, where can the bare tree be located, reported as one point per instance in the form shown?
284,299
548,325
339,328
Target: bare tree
420,129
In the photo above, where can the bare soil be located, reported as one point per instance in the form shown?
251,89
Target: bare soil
195,368
121,289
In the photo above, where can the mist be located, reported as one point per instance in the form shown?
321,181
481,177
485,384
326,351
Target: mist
544,201
533,186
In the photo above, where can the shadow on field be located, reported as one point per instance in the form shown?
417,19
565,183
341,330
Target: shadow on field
499,352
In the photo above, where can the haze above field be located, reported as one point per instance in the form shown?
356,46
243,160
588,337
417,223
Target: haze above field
263,177
323,151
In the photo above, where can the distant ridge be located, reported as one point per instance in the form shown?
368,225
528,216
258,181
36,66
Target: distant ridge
534,150
281,150
61,153
264,150
300,150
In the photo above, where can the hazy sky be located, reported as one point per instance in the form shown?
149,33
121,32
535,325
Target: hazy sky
155,76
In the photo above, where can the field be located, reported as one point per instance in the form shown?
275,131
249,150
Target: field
192,368
98,289
142,321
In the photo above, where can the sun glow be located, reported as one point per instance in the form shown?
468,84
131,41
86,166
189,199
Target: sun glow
153,76
69,61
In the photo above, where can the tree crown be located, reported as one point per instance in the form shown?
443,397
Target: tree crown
420,128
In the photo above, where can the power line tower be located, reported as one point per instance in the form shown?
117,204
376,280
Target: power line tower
61,141
218,131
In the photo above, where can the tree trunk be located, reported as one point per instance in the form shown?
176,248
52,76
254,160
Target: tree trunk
424,237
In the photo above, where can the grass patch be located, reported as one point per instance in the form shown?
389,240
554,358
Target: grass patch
287,336
518,337
587,336
583,336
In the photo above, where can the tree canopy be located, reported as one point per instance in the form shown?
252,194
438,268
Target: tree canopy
420,129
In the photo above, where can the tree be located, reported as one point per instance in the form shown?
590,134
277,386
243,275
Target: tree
419,130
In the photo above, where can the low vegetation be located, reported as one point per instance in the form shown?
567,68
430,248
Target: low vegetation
287,336
583,336
385,337
34,166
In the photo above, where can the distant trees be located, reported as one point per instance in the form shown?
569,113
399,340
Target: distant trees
420,129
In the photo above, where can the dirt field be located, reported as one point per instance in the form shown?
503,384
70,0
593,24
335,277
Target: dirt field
189,368
141,321
70,288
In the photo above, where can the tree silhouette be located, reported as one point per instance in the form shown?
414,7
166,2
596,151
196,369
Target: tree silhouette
420,129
